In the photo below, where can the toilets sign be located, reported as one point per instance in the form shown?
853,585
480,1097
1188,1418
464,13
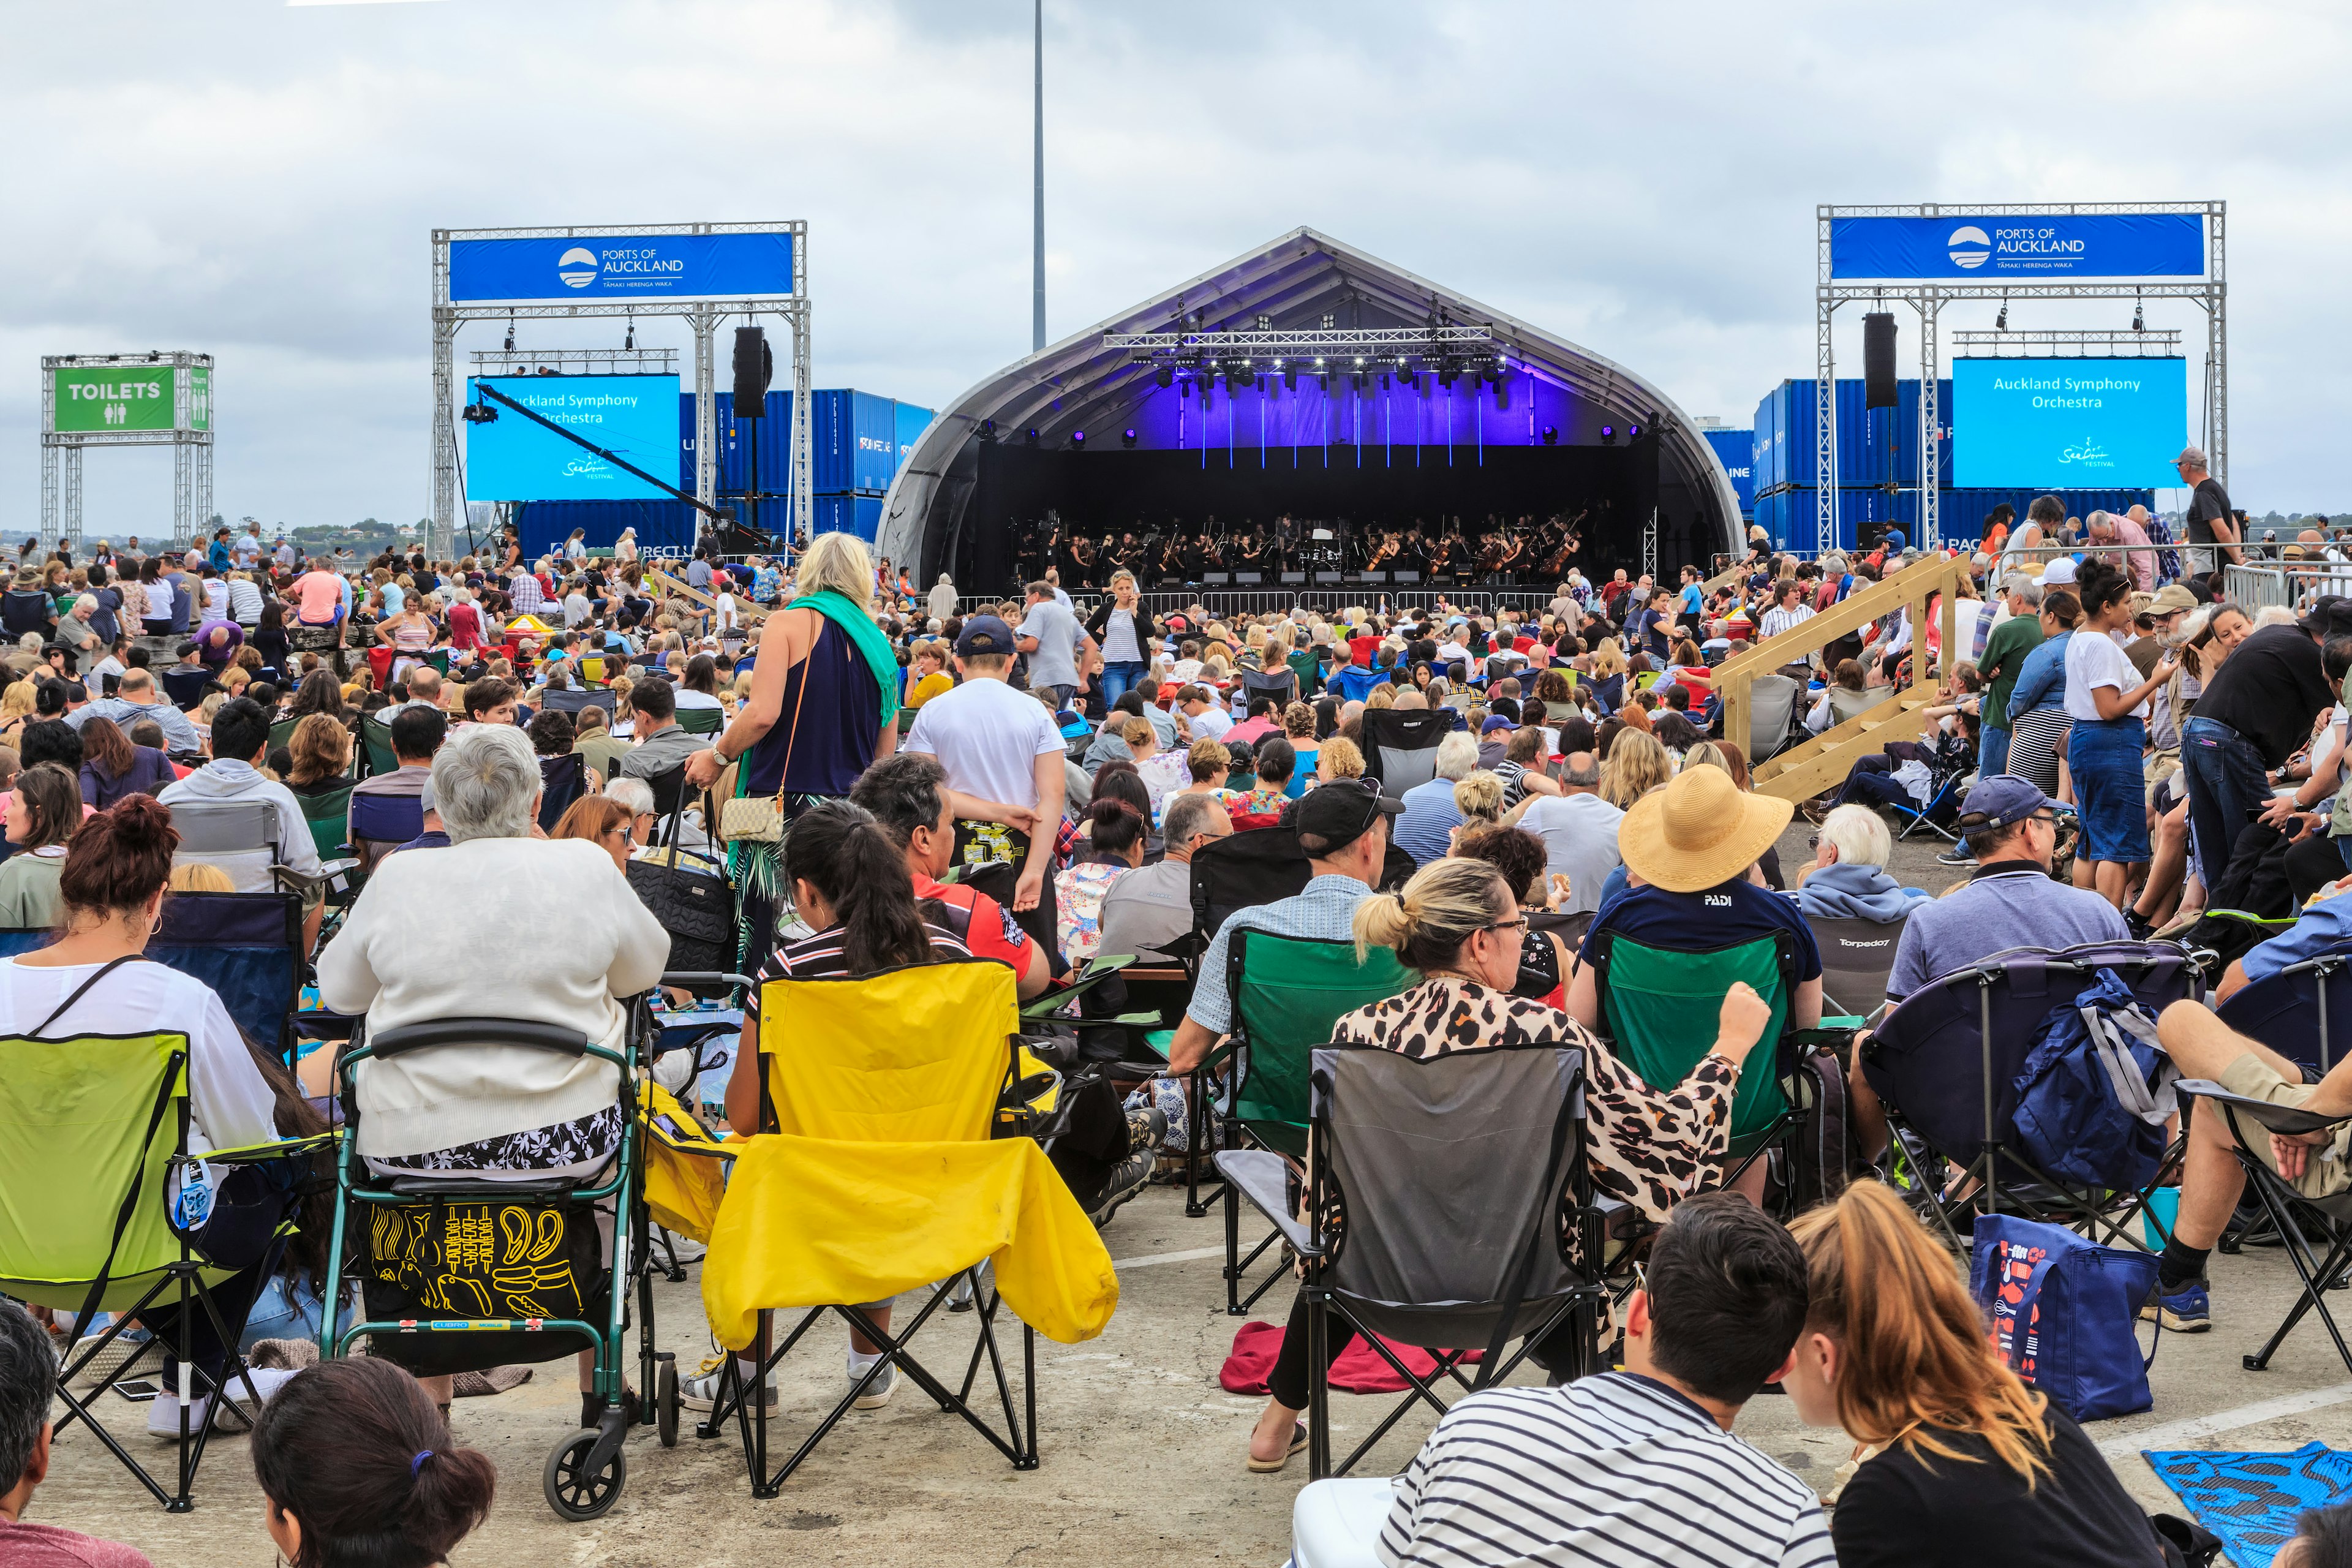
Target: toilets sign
117,397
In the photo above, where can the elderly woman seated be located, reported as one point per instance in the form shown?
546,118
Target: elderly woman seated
1458,923
1848,878
412,950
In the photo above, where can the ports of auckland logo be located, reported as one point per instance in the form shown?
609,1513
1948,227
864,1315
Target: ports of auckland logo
1969,248
577,267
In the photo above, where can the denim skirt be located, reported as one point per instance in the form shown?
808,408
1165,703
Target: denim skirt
2103,756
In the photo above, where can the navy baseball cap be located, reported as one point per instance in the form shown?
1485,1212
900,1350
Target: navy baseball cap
1999,799
983,635
1495,722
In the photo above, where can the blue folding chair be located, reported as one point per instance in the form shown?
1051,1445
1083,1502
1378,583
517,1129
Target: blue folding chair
2293,1012
382,823
247,946
1945,1063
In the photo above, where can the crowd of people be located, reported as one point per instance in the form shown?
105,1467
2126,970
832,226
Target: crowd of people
862,759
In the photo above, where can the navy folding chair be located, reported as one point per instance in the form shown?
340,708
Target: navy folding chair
1945,1063
2295,1011
382,823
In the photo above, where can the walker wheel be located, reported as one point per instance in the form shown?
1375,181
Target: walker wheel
666,1405
575,1495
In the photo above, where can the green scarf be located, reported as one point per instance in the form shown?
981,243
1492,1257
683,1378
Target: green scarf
859,627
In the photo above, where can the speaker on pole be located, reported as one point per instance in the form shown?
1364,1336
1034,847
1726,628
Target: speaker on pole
1877,360
755,366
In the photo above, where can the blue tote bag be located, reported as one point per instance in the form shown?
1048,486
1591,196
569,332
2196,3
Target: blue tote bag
2065,1313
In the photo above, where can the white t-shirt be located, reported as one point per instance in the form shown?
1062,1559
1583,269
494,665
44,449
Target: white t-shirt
682,698
988,737
228,1100
2093,660
1209,724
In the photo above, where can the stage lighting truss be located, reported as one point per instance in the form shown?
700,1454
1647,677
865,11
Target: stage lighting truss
1206,356
511,361
2162,343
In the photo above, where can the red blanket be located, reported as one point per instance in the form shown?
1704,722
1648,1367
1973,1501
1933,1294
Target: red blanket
1360,1369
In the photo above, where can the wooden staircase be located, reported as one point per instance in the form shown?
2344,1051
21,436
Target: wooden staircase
1804,771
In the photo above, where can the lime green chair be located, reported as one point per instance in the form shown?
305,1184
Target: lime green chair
92,1127
1660,1009
1646,679
1288,994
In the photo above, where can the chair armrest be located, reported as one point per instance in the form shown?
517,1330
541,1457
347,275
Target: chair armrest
1264,1178
2287,1120
253,1153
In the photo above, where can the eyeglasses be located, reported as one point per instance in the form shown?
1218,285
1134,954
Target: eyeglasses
1518,923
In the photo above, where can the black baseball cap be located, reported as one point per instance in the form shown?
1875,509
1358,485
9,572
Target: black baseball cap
983,635
1340,812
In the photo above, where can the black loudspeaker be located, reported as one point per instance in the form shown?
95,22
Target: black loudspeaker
1877,360
755,366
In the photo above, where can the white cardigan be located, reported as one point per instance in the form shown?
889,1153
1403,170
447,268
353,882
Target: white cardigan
547,929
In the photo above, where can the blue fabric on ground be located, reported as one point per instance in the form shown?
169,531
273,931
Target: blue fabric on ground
2252,1500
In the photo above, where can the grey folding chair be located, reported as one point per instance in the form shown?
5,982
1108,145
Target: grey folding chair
239,838
1772,707
1857,960
1459,1177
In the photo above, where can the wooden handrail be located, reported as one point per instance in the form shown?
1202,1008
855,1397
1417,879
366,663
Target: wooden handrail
746,611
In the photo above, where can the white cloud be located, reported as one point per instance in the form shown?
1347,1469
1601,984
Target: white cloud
259,181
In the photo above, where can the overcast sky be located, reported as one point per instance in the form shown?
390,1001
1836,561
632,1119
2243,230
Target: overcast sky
259,180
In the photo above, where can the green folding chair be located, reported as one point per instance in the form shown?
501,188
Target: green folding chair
1659,1008
701,721
91,1129
376,733
281,733
328,815
1288,994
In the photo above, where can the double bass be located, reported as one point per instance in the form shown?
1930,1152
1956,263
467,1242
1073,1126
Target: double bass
1391,543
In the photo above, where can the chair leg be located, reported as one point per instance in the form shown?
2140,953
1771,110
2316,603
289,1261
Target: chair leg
2317,1279
1318,1384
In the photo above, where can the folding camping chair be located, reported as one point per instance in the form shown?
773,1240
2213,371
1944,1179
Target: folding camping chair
328,813
2286,1208
1287,992
1857,960
562,781
701,721
576,700
239,838
379,824
458,1275
1455,1172
94,1131
375,738
1282,685
1400,746
2295,1012
1771,714
1949,761
1945,1063
880,1177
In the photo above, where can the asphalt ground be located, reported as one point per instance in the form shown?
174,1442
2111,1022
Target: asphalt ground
1142,1451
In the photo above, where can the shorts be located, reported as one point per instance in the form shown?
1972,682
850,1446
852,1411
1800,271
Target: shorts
2161,768
2326,1174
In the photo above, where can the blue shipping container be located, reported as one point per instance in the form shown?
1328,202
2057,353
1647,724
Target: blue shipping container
1736,448
1791,515
856,437
910,424
860,515
1875,445
775,434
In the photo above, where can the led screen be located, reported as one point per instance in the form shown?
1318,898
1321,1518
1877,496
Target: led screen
2068,423
634,417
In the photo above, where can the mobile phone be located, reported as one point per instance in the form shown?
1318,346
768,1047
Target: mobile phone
139,1390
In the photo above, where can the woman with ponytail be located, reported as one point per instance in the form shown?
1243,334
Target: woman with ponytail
357,1467
1960,1462
849,880
1457,923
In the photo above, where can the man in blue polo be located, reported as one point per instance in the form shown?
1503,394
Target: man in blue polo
1343,827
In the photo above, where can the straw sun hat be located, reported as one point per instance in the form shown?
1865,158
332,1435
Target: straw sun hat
1698,832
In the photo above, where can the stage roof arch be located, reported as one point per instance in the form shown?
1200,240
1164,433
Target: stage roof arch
1080,383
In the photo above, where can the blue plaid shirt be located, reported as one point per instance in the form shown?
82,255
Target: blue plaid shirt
1325,909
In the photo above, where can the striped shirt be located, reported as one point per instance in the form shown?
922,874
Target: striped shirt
1613,1468
1325,909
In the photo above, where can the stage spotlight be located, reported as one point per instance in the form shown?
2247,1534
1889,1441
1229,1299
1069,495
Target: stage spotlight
1265,323
629,341
988,429
1078,437
1633,431
1551,435
1031,439
2139,317
2000,323
1164,376
510,322
1127,438
1609,434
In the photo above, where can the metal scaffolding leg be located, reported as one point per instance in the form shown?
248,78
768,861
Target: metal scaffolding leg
706,407
802,522
183,494
50,520
2217,344
69,523
445,434
1931,522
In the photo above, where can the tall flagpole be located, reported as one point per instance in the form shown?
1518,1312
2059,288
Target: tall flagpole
1037,333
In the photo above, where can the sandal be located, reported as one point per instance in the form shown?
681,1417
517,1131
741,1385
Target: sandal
1297,1441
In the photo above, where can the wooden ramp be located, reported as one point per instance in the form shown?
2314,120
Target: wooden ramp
746,612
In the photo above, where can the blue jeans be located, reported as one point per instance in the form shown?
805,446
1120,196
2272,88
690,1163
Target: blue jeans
2227,784
1118,677
1993,752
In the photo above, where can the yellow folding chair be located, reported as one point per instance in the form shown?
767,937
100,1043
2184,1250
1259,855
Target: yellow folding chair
878,1176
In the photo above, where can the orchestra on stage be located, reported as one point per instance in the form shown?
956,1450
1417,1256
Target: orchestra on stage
1494,551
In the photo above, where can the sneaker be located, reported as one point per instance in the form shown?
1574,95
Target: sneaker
1147,1129
1131,1177
2187,1310
1957,854
877,1393
2139,925
700,1392
164,1417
